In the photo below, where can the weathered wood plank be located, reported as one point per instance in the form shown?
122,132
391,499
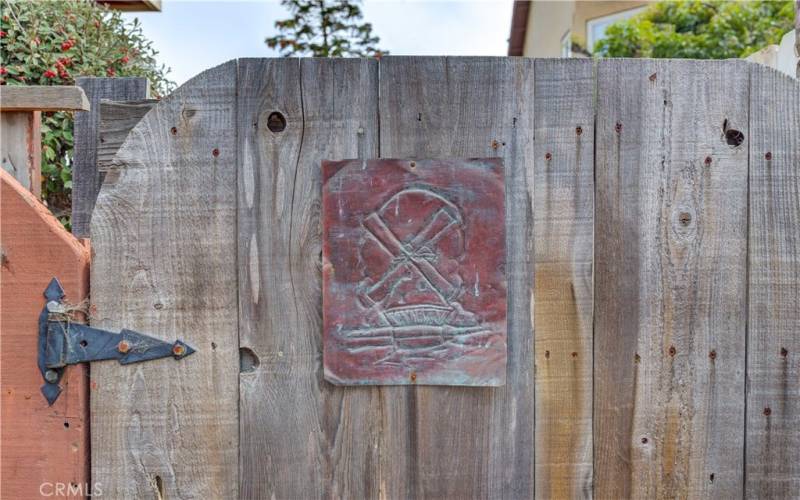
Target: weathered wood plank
301,437
42,445
563,228
21,147
456,442
773,347
117,119
86,180
42,98
164,241
670,281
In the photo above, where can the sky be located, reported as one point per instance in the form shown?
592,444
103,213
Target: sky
192,35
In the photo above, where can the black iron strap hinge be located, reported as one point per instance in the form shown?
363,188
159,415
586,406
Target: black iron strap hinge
63,342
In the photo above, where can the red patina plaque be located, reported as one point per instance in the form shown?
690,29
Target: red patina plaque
414,284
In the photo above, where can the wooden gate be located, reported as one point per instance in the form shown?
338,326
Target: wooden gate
653,220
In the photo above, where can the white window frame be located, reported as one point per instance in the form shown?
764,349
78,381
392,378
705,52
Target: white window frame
609,19
566,44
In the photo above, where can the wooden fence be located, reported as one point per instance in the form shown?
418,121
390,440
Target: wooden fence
653,225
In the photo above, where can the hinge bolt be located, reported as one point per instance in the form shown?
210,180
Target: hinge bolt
51,376
123,346
178,350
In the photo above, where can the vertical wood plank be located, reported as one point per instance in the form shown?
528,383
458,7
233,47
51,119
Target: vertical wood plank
42,446
301,437
773,349
563,229
670,290
21,147
456,442
86,180
164,240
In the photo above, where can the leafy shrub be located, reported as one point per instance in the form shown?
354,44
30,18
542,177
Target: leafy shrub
51,43
710,29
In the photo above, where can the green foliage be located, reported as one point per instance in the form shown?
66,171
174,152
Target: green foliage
52,42
324,28
711,29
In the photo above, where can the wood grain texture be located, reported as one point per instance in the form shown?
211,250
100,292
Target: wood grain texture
301,437
164,241
117,119
773,348
563,228
670,282
40,443
43,98
86,179
21,147
456,442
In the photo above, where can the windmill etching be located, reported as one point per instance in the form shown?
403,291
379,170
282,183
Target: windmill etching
412,306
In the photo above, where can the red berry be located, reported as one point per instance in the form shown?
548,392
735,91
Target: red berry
3,71
124,59
110,71
2,34
49,74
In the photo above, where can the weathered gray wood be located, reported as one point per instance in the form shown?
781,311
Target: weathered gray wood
670,280
773,347
86,180
456,442
563,229
42,98
21,147
301,437
117,119
164,242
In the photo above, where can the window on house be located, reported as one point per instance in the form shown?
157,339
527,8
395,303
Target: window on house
566,45
596,28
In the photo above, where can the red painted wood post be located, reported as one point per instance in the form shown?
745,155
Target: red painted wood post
44,449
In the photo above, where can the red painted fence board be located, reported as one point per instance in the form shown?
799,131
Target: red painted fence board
44,449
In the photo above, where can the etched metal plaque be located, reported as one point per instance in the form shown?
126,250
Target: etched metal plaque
414,285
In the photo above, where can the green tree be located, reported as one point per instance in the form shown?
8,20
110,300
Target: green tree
324,28
52,42
710,29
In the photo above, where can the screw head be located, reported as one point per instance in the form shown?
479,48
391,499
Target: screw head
51,376
178,350
123,346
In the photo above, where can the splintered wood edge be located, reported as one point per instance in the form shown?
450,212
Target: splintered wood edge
43,98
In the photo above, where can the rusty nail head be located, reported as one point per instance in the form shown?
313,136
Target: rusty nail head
712,354
215,152
413,376
178,350
618,127
653,77
672,350
784,352
579,130
574,354
767,411
637,358
548,156
413,164
708,160
644,440
768,156
123,346
173,131
546,354
495,144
